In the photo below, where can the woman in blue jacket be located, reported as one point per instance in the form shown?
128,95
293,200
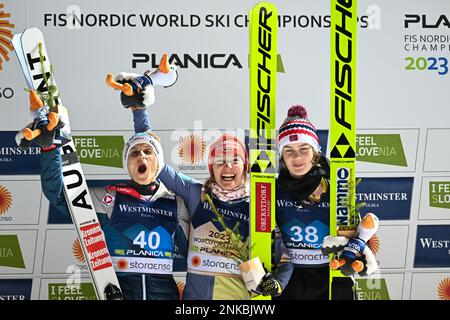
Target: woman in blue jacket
141,220
212,272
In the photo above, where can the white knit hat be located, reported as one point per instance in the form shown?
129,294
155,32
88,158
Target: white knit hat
144,137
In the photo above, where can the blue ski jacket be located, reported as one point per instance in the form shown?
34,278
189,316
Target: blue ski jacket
143,235
211,273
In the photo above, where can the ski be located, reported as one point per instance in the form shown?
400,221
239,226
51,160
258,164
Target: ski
35,63
262,140
343,34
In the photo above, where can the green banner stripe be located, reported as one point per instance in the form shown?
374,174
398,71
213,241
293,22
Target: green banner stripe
439,194
381,148
64,291
100,150
10,252
372,289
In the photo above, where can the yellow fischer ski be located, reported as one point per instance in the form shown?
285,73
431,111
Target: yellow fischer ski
343,32
263,71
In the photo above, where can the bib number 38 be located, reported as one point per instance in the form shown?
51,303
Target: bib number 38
309,234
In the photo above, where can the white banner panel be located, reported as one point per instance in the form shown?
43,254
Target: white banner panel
393,243
208,40
62,253
430,286
437,154
21,201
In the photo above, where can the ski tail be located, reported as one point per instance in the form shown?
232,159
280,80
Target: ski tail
263,71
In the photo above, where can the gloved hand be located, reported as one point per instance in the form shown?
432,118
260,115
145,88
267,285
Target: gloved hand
138,90
140,85
112,292
269,286
353,255
45,127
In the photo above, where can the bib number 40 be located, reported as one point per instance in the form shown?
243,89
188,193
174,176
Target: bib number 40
152,239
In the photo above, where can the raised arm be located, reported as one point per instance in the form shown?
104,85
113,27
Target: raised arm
51,180
52,186
141,120
187,188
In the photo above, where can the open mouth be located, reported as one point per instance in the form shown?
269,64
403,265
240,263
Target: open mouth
228,177
142,168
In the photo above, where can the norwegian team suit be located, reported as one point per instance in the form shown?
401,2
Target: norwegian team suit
303,228
304,224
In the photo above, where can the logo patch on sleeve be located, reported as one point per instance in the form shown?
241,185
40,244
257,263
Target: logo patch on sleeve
107,200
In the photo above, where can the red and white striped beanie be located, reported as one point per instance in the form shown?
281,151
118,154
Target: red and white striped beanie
297,128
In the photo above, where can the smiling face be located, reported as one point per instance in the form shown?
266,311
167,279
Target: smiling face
142,164
298,158
228,171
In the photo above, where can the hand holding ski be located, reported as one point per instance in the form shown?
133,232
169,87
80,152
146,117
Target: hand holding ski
44,127
43,110
47,129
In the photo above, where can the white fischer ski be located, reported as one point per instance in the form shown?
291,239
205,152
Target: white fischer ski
30,50
263,72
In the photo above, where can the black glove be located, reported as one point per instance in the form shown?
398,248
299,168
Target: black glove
269,286
112,292
136,100
352,254
45,140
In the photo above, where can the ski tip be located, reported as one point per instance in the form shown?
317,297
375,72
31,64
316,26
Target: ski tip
16,36
34,31
268,5
27,30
